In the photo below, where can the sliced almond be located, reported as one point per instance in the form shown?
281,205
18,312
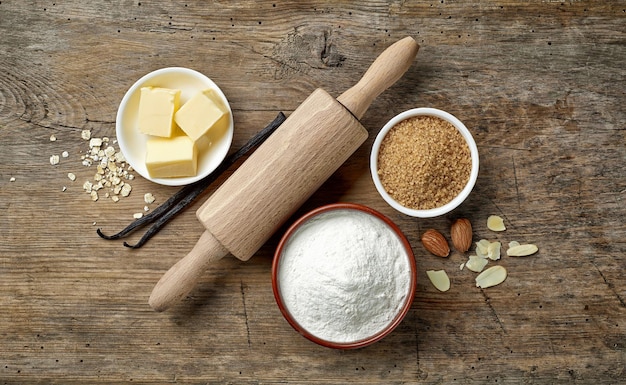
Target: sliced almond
493,251
439,279
476,263
522,250
481,248
495,223
493,276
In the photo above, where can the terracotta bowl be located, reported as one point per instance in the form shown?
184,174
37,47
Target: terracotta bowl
278,276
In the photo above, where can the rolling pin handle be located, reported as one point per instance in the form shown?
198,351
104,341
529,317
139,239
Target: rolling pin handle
181,278
388,67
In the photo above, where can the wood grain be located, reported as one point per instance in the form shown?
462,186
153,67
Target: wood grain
539,84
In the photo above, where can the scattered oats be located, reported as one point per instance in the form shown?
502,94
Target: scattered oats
95,142
462,266
109,151
53,138
111,167
64,188
94,195
12,179
65,154
146,208
495,223
126,190
54,159
137,215
71,176
148,198
439,279
94,223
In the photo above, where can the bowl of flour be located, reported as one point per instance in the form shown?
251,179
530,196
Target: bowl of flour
344,276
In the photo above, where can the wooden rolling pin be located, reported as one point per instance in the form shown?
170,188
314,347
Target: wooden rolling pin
282,174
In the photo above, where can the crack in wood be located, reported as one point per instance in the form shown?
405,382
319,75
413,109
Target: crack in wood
609,285
493,310
519,202
245,313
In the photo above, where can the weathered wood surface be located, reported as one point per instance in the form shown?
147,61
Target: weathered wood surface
539,84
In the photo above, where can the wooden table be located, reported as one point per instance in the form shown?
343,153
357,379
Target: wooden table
539,84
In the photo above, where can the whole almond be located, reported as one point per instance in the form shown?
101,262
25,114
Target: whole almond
461,234
435,242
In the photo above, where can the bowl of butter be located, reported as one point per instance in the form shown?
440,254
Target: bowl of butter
174,126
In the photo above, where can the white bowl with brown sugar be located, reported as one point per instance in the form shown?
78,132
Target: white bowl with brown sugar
424,162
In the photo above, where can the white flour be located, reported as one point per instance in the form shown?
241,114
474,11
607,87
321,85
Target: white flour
344,276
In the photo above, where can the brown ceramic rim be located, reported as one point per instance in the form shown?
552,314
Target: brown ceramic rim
399,317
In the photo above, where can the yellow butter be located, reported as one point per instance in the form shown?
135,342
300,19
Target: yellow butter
171,157
157,107
202,113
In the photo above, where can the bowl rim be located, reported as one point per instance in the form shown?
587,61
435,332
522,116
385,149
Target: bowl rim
120,127
399,316
456,201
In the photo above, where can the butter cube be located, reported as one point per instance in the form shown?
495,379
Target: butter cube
201,113
157,107
171,157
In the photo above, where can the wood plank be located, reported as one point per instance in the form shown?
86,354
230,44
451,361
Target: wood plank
539,84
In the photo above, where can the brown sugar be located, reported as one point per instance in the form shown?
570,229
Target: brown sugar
424,162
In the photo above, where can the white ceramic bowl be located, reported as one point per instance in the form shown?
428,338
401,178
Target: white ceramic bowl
454,203
133,143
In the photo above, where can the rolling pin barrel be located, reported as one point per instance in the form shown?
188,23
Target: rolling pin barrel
316,139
